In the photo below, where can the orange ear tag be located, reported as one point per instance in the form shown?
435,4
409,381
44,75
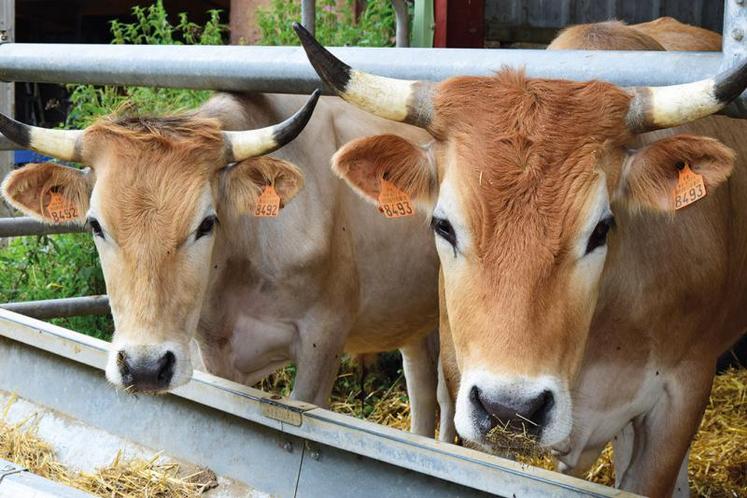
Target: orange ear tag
690,188
60,209
393,202
268,203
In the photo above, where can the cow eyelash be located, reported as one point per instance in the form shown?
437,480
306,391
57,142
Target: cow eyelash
96,227
443,229
598,237
206,226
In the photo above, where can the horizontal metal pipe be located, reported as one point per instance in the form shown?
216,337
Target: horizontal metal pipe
24,225
61,308
286,69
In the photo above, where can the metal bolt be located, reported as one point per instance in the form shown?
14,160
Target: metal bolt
315,455
737,34
288,446
3,36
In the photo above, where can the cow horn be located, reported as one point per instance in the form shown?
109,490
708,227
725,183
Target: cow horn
654,108
61,144
408,101
252,143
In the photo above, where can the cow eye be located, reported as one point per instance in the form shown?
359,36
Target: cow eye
96,227
206,227
443,229
599,235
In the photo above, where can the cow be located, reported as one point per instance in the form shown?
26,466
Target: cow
576,301
171,202
665,33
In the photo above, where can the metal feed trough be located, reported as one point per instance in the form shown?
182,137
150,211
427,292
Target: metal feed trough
277,446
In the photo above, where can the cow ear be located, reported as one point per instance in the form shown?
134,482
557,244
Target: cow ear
364,162
49,192
244,181
650,174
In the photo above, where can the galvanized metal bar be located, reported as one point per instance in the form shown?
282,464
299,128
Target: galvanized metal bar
287,70
735,31
402,23
61,308
308,15
16,482
328,454
24,225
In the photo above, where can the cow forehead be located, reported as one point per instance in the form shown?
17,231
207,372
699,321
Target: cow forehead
510,103
149,195
527,164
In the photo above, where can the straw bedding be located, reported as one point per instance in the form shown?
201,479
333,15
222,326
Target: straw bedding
718,457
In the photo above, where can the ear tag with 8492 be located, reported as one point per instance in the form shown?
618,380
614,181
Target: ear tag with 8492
268,203
60,209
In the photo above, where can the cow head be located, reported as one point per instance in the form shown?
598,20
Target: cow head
520,183
153,196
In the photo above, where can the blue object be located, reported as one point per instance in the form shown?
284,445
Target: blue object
29,156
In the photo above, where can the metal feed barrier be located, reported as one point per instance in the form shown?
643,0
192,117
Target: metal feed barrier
279,446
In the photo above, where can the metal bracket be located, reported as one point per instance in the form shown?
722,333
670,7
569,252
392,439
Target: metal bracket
7,20
735,32
8,468
289,412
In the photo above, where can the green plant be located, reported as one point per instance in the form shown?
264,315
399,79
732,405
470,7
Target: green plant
335,23
151,27
50,267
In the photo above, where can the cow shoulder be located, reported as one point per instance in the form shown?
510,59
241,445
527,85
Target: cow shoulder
674,35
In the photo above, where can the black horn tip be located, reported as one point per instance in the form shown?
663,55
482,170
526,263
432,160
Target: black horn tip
332,70
15,131
731,83
290,129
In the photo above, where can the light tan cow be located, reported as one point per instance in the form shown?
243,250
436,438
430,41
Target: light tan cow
664,33
183,256
543,323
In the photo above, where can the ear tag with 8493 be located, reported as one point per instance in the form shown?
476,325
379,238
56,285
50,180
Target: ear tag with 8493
690,187
393,202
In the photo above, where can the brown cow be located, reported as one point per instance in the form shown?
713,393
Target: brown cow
184,256
664,33
543,322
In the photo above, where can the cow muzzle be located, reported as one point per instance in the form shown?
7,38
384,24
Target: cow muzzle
538,407
149,368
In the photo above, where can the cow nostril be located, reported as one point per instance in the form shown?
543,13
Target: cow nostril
511,412
477,401
540,408
166,367
124,368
